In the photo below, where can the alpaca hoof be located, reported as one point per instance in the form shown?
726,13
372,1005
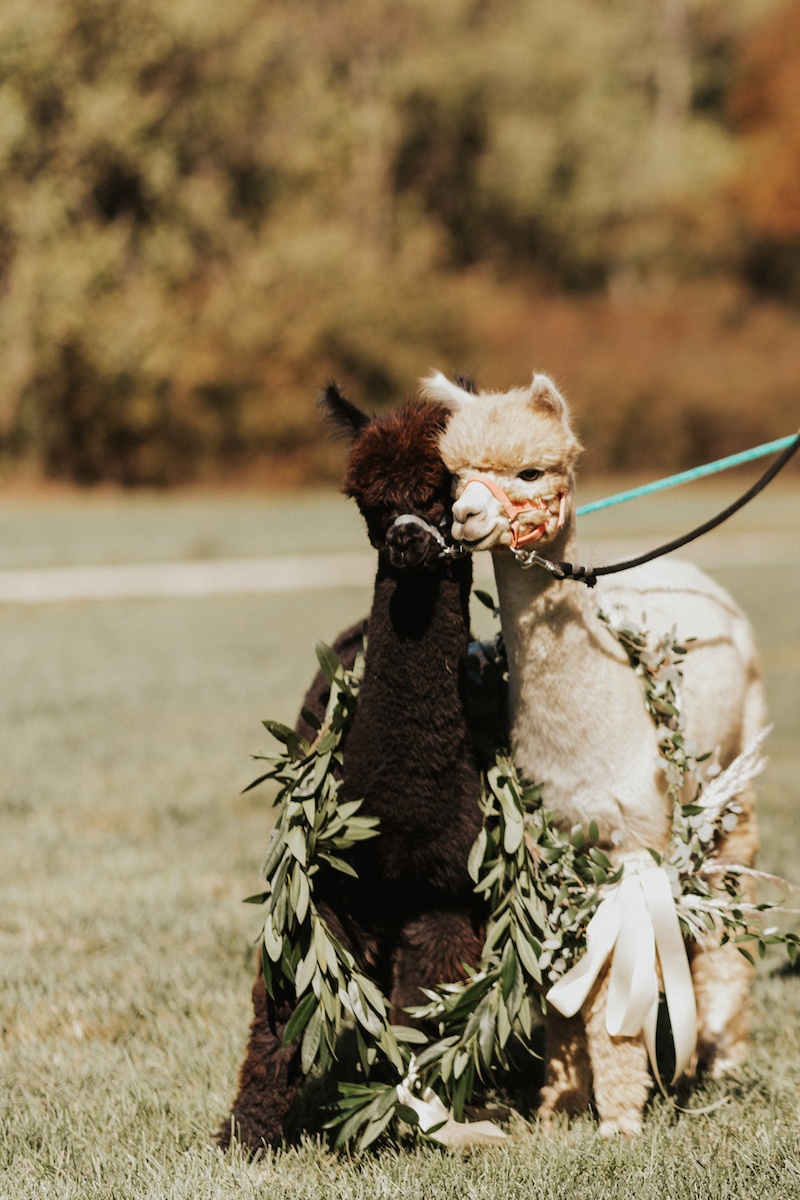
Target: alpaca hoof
546,1123
718,1062
723,1065
629,1127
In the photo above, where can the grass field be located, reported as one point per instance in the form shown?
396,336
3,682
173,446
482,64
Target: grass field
125,850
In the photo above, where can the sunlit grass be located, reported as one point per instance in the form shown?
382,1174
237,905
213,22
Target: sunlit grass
126,956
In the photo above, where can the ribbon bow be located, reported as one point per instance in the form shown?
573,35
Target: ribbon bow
635,920
438,1124
459,1135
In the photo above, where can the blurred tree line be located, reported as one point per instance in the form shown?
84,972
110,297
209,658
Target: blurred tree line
206,209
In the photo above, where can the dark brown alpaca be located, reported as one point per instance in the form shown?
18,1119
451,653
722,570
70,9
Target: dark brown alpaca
410,919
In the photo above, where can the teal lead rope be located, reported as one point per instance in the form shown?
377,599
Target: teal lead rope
589,575
661,485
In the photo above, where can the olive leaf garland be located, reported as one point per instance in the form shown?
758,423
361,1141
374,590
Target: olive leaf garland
300,955
476,1018
710,893
541,884
302,958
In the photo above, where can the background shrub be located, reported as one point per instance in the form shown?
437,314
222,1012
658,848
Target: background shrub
207,209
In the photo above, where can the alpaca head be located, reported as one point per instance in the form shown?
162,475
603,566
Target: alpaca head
395,470
519,440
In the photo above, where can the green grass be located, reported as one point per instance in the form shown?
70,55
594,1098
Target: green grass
71,529
126,956
80,529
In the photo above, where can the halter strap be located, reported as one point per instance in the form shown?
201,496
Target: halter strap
513,508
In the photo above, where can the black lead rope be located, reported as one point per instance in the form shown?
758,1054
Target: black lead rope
589,575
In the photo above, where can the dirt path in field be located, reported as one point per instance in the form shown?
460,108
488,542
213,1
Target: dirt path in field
270,575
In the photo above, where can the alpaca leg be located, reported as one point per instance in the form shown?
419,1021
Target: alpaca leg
619,1066
722,976
271,1074
268,1080
722,979
568,1072
741,844
430,949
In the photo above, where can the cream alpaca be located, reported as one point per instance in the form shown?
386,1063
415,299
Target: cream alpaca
578,720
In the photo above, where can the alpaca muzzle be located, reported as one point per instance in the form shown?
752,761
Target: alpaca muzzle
512,509
410,541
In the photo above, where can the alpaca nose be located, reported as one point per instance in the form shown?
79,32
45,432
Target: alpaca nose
469,504
407,545
463,511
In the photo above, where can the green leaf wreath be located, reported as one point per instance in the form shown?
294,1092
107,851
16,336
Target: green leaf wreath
300,955
542,886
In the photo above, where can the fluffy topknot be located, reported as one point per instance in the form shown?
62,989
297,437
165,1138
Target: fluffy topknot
395,461
505,431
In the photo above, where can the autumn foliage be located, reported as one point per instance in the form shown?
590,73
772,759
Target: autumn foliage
765,105
206,210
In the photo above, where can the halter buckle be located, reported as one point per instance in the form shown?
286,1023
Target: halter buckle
529,558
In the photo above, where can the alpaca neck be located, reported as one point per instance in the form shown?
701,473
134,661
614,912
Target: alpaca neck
577,717
412,700
420,616
415,665
533,604
408,753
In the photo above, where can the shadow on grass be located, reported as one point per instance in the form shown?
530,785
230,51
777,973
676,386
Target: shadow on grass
517,1088
787,970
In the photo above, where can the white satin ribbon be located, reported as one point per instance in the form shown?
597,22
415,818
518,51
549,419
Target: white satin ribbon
457,1134
636,920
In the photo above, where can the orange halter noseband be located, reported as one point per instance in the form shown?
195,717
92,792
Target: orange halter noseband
514,507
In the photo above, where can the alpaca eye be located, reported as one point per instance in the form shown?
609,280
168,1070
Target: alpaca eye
530,475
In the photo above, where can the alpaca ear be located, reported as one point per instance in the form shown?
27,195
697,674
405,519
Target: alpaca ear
345,419
439,389
544,394
466,383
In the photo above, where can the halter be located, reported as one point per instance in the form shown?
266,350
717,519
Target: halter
409,519
513,508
